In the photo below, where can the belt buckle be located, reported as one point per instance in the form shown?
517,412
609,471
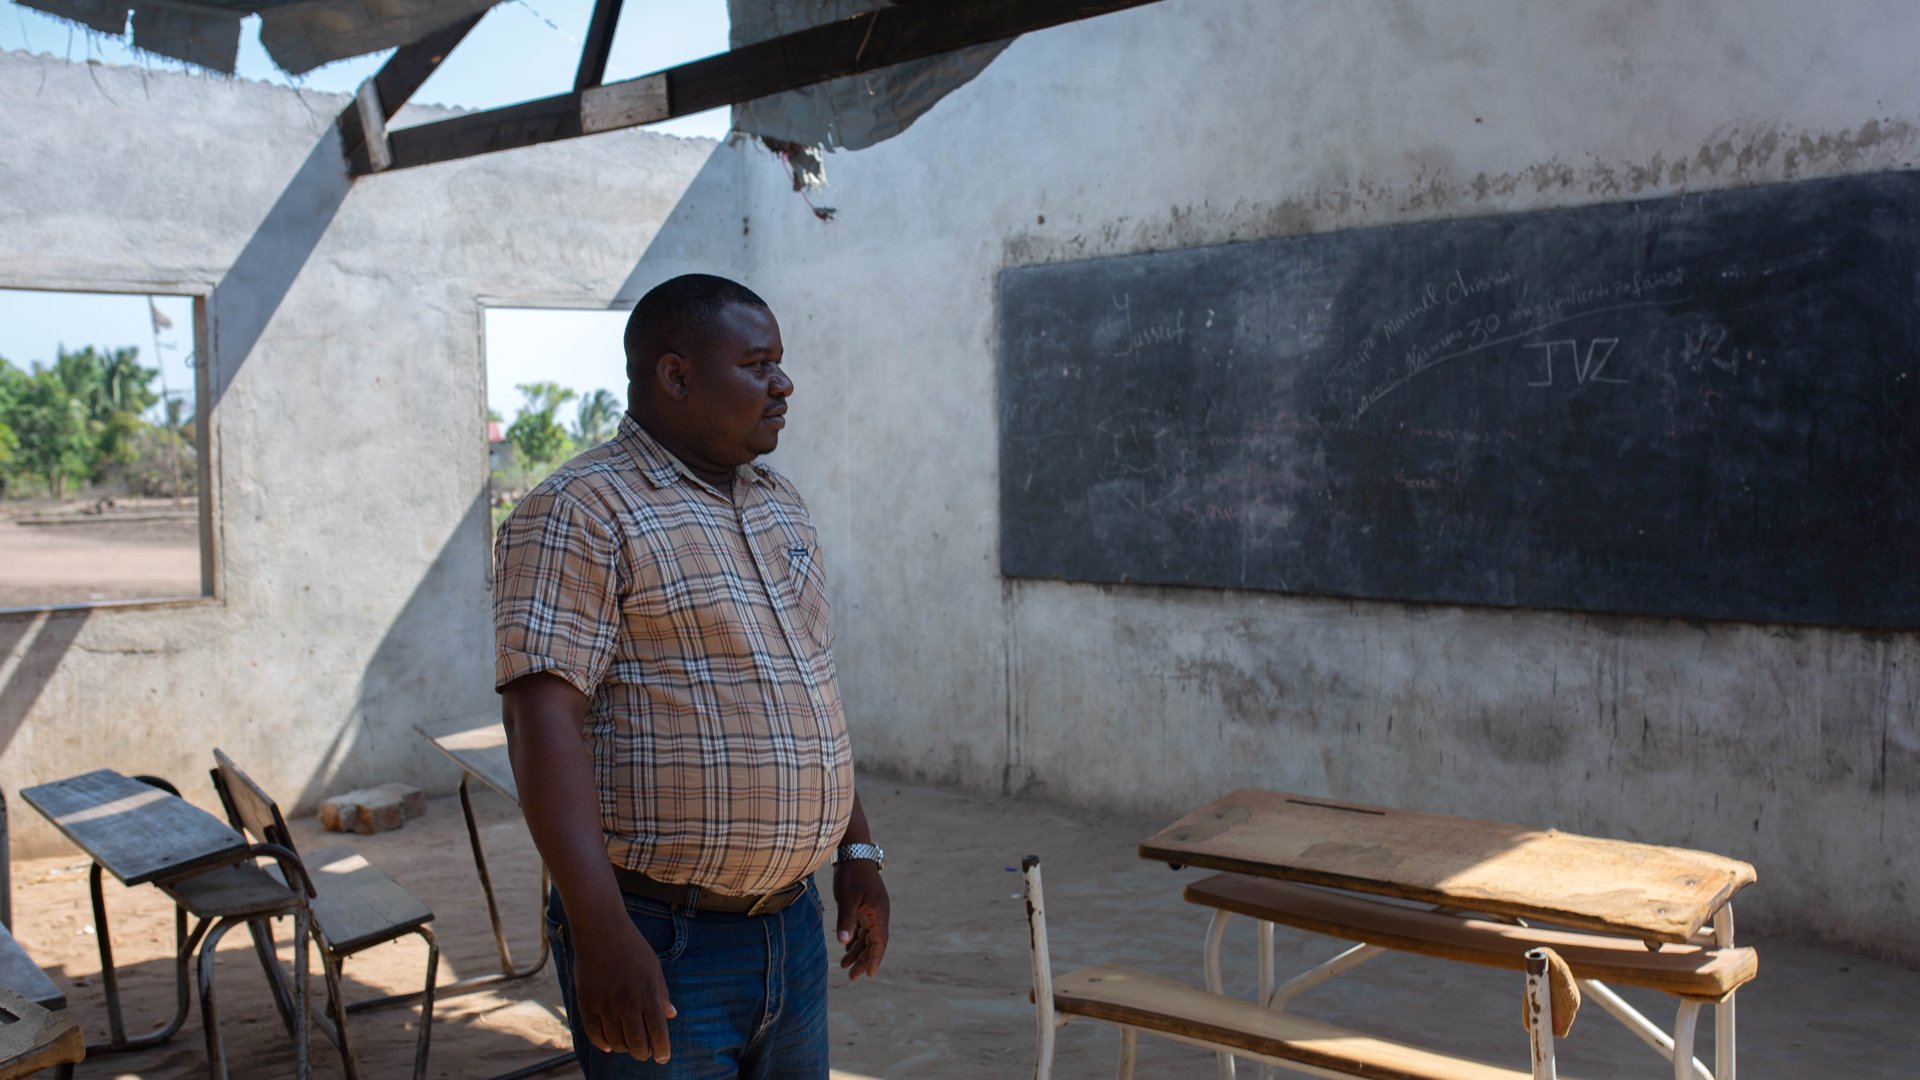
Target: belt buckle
777,901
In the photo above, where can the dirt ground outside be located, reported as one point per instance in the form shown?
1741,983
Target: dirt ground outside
951,1001
67,553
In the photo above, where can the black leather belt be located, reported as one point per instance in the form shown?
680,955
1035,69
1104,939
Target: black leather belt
683,897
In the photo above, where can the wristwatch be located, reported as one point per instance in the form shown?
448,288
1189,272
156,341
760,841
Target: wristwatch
860,851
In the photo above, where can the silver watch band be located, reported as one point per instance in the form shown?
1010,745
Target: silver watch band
860,851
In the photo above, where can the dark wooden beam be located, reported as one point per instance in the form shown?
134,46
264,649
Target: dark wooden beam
593,55
395,82
889,36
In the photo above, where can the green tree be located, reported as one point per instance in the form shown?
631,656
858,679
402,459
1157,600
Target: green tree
113,389
598,419
8,446
75,418
535,434
10,378
51,426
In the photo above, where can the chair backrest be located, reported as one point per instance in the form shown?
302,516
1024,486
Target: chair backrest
249,807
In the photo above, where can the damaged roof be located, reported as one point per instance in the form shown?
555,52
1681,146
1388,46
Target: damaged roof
850,113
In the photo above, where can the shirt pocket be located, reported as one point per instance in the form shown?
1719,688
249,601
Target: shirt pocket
808,580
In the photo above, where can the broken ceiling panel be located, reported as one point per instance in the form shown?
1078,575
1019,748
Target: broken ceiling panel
854,112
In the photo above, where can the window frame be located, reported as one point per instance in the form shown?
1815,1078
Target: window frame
212,591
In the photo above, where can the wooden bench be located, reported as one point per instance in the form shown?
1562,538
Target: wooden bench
1140,1002
1149,1003
1698,972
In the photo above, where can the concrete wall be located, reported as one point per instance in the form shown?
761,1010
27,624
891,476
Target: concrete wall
1204,121
347,404
349,470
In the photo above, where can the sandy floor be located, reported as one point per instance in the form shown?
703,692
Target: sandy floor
135,551
952,999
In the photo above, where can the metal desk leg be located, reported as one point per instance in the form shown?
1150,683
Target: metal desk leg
507,969
1723,1055
507,972
184,943
116,1029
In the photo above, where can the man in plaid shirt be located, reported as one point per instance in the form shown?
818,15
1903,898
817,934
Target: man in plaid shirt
665,664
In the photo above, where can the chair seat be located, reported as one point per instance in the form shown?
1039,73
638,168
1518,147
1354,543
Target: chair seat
356,904
21,975
231,892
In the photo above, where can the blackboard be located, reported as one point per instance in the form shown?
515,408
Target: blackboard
1698,406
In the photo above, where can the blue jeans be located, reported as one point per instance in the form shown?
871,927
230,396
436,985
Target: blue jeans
750,991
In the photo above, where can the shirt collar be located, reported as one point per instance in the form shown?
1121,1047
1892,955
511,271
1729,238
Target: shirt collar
661,468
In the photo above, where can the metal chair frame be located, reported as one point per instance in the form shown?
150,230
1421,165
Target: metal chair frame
266,822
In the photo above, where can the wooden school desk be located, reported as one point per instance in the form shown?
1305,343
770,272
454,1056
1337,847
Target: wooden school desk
1623,912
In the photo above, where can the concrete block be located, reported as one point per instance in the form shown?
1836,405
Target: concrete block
372,810
413,801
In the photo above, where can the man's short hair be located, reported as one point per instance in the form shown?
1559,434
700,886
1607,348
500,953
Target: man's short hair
676,316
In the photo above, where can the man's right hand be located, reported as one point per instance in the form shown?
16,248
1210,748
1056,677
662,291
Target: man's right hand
618,987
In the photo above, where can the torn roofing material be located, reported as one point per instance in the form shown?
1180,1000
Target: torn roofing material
850,113
300,35
854,112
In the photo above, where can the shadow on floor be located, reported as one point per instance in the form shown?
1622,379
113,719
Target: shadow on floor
951,1000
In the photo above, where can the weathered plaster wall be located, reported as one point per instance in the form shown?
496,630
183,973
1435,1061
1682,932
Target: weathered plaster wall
349,399
1204,121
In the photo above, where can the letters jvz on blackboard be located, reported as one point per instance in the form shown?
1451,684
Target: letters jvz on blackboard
1527,317
1706,405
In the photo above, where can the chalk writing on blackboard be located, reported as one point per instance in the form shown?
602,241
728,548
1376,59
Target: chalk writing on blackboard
1498,320
1700,406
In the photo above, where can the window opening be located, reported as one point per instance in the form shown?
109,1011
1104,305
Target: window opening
101,449
556,385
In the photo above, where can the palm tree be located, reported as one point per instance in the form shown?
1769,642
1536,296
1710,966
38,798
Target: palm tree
598,419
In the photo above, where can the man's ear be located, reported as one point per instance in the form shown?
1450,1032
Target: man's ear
671,373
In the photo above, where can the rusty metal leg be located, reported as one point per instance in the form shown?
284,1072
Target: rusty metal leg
426,1005
209,1016
109,980
507,972
302,1042
1539,1013
184,944
337,1005
486,879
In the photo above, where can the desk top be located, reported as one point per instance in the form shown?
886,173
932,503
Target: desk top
135,831
1610,886
477,744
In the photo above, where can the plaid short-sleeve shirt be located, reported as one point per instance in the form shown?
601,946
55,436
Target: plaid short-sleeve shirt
696,624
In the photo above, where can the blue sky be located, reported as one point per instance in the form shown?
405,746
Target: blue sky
35,325
522,49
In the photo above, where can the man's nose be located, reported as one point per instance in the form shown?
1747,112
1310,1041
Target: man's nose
782,384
